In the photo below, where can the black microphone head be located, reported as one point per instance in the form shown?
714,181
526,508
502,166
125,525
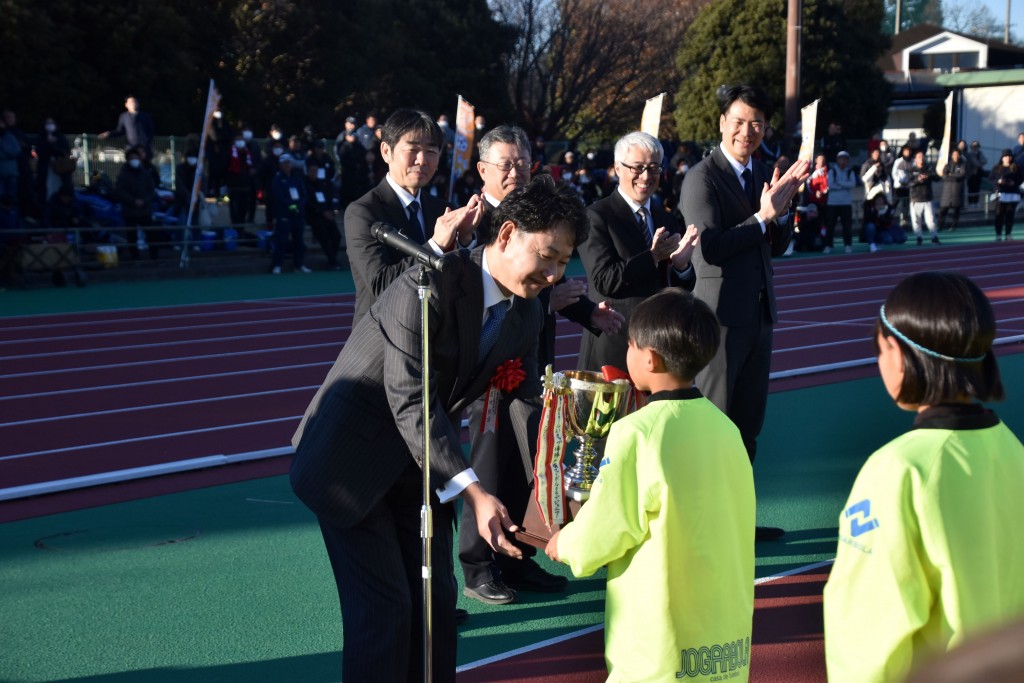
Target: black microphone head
380,228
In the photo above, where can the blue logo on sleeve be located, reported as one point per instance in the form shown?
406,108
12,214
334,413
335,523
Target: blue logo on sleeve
859,515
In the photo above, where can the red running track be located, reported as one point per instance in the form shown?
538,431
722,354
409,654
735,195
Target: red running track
89,393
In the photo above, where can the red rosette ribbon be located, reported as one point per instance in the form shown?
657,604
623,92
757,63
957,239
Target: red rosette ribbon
507,377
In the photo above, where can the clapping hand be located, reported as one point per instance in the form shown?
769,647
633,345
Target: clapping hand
776,195
606,318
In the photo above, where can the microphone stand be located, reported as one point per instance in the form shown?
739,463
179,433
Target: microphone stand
426,518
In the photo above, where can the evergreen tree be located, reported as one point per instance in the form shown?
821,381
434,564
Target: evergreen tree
744,41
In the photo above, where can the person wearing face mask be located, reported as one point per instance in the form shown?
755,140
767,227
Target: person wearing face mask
241,169
219,141
257,159
55,162
265,174
136,192
324,164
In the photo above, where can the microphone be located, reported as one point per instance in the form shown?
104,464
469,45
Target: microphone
388,236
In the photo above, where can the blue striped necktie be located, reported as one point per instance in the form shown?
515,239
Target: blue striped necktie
491,328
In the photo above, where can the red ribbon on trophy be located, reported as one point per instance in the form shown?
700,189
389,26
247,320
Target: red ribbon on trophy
552,437
637,399
507,377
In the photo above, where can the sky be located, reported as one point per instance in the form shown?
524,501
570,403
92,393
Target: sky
998,8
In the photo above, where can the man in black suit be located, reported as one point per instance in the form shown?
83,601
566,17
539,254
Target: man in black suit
411,144
634,249
492,578
739,206
358,458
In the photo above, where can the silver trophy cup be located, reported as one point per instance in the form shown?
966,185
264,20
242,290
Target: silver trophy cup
594,404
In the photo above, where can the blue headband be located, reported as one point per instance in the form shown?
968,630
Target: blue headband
929,352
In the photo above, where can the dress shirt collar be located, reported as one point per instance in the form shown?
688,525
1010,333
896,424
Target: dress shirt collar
491,200
632,204
737,167
403,194
492,293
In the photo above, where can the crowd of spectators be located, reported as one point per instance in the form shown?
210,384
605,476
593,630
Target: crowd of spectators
37,187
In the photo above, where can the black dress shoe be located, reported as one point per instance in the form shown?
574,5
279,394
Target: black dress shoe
492,592
768,533
536,580
461,615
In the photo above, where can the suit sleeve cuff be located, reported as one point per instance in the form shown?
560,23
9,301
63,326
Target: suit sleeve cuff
685,271
456,485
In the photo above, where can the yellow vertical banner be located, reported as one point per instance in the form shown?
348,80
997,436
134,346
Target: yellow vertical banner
650,121
464,133
808,123
212,103
940,163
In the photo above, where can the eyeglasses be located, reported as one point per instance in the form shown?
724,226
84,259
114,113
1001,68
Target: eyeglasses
520,165
640,169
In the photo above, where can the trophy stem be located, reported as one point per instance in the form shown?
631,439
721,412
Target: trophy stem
579,480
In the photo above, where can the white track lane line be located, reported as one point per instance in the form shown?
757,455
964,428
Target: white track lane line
177,359
183,328
159,406
170,380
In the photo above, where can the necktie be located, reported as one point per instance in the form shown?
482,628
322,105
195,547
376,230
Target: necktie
491,328
748,185
645,227
415,227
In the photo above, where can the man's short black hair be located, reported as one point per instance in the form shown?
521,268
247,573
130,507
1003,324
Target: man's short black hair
947,314
540,206
750,95
405,121
679,327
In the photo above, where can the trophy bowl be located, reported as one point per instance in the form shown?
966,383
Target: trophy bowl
594,404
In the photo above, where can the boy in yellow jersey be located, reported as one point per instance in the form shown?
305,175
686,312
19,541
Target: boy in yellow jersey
671,513
930,550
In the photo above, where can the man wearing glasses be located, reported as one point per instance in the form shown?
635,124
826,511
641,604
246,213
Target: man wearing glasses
635,248
740,207
490,577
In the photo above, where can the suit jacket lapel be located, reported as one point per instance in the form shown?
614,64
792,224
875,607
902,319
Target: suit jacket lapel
469,312
731,182
396,213
627,225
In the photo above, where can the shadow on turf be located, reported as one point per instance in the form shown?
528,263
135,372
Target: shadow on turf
796,544
324,667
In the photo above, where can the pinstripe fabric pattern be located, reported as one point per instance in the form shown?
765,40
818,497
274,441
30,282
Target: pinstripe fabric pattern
357,452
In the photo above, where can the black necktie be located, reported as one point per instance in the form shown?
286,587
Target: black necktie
748,185
491,328
645,227
415,227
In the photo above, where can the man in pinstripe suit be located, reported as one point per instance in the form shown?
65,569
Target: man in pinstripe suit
358,462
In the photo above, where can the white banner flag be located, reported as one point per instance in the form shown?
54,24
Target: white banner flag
808,122
943,159
650,122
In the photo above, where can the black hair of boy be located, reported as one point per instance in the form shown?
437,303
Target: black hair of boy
540,205
948,314
681,328
411,121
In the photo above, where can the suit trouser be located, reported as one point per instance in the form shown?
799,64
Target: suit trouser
736,379
498,464
377,567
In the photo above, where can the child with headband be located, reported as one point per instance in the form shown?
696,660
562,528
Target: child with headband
930,549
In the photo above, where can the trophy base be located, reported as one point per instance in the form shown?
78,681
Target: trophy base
534,531
578,495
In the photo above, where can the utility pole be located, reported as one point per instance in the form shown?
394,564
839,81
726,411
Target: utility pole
1006,31
793,40
896,30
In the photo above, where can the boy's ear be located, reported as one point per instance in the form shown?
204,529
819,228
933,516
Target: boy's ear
653,362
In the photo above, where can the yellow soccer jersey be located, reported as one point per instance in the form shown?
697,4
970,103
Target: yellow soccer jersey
929,549
672,515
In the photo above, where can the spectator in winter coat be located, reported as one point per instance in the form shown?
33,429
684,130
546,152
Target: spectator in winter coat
841,181
921,211
952,189
1006,177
